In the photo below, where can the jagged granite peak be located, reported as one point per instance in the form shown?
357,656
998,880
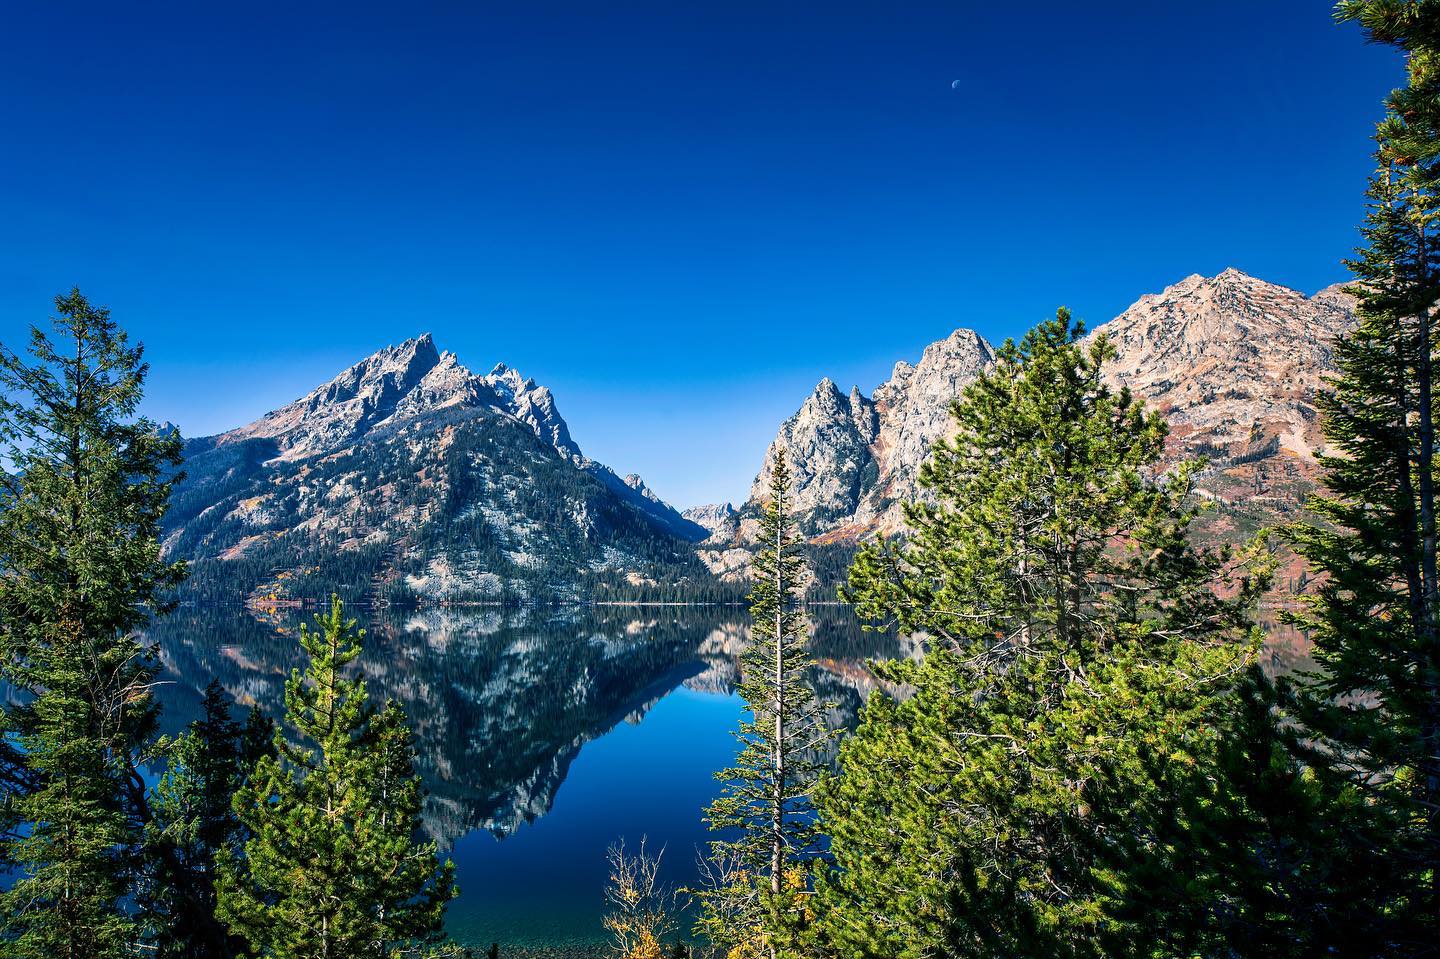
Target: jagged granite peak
425,480
853,458
711,515
446,384
534,405
508,382
719,519
913,411
827,443
637,484
1235,364
343,409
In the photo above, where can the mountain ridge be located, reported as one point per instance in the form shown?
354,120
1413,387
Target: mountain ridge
1234,363
430,479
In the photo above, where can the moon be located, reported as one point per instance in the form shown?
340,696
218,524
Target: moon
955,85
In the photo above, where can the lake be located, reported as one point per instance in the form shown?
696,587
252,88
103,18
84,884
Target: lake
543,735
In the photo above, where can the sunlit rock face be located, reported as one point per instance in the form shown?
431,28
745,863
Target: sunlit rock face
852,457
716,518
407,476
1233,362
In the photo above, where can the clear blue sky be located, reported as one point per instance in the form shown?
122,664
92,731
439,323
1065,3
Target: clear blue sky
678,215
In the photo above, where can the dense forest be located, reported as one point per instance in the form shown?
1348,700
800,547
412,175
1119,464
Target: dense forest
1086,762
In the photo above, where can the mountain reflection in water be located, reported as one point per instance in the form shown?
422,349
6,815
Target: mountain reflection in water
503,704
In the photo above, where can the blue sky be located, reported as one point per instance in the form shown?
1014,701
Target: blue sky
680,216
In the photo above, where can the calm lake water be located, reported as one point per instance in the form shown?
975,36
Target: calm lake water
544,736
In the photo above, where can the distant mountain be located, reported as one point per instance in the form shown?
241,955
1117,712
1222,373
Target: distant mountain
1233,362
714,517
407,476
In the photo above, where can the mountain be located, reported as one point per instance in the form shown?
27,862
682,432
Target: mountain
534,405
713,517
1233,362
853,457
408,476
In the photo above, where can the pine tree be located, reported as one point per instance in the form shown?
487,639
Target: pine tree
1372,709
1273,852
80,514
1068,702
194,822
756,900
332,868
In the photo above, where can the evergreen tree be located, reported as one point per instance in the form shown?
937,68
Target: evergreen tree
756,902
1014,803
1273,851
1372,709
194,822
332,868
80,513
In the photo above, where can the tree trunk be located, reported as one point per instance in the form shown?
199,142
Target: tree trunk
1430,656
777,815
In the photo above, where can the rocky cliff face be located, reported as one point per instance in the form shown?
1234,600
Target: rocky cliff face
406,476
713,517
854,457
535,406
1233,362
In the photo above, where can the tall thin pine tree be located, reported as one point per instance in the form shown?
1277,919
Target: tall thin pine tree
1372,711
757,903
80,513
193,823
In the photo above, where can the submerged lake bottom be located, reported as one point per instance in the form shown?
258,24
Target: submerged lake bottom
543,736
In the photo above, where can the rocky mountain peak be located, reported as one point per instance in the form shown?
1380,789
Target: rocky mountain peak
1235,363
913,411
448,383
364,395
535,406
848,451
637,484
407,464
712,516
826,396
508,383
